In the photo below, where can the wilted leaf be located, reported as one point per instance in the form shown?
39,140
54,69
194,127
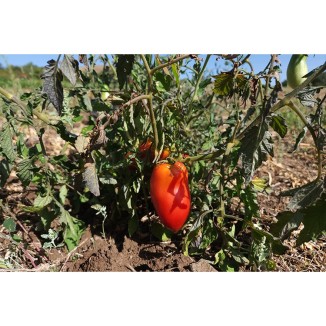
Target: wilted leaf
6,144
124,68
81,143
278,124
52,87
256,145
91,179
82,58
304,196
70,68
306,95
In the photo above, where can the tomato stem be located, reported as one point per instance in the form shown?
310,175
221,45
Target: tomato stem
295,109
169,63
203,157
41,116
150,102
200,76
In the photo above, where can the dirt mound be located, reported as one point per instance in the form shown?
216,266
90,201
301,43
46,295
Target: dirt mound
96,254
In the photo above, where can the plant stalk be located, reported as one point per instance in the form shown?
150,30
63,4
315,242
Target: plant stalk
295,109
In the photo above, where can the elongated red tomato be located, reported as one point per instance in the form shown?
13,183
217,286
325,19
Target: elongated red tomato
170,194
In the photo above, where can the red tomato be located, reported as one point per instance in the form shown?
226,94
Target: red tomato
170,194
143,148
146,146
164,154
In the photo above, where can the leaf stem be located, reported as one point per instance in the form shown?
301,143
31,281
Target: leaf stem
268,78
169,63
150,101
205,157
200,76
136,99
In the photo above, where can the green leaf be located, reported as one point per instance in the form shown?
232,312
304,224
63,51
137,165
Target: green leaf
16,238
73,230
193,237
133,224
314,222
163,82
223,84
87,102
312,216
63,194
278,124
52,87
124,68
10,224
259,184
22,149
160,232
286,223
175,71
98,105
47,216
24,174
41,202
64,133
6,143
86,130
5,168
299,139
226,83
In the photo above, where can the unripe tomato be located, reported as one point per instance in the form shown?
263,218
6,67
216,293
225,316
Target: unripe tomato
170,194
105,94
297,68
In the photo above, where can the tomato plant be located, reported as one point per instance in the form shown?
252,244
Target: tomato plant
170,194
212,130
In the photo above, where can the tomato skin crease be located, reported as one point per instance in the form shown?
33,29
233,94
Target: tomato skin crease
170,194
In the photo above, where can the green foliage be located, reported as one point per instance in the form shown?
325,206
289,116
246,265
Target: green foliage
220,127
